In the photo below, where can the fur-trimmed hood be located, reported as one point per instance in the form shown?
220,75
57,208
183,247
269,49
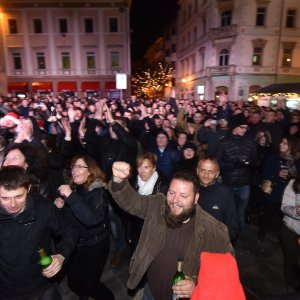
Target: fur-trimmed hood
97,184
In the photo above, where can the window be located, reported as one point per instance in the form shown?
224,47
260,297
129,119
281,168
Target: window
113,25
226,18
196,5
290,18
287,57
224,57
90,60
257,56
17,61
88,25
65,60
63,25
260,16
12,26
173,48
167,52
115,59
37,26
41,61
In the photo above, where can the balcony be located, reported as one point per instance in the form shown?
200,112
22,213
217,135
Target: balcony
221,70
223,32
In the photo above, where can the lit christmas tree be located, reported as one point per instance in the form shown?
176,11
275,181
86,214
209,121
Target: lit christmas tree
151,83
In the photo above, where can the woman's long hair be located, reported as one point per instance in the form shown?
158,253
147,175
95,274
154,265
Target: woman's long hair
95,172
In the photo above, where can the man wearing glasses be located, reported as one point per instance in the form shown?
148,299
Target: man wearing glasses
26,224
236,154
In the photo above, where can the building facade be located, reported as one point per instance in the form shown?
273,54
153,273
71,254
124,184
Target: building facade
236,46
60,46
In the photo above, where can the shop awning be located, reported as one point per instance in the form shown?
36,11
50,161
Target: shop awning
87,86
67,86
282,88
17,87
110,85
42,86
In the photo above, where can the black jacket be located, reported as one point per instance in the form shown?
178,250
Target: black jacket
106,150
217,200
89,207
20,238
236,156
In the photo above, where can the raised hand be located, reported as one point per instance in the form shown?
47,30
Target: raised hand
120,170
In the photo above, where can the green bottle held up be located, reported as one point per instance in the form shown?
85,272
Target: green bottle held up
45,260
179,275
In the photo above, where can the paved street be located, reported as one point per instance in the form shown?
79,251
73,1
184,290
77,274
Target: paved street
260,273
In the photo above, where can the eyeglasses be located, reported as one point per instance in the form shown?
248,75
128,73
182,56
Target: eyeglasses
78,167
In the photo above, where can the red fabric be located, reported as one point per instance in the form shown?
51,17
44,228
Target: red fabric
42,86
90,86
218,278
17,87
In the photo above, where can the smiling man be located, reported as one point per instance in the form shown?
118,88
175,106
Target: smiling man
216,198
174,227
27,223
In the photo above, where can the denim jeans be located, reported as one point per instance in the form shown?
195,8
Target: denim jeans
241,199
117,230
147,293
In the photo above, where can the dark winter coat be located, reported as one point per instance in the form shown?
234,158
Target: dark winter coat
236,156
217,200
89,207
20,238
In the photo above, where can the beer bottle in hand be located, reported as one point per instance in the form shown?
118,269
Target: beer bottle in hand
179,275
45,260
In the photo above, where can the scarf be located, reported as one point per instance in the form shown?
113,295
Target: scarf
146,187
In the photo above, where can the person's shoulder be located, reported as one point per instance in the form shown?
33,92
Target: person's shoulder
208,222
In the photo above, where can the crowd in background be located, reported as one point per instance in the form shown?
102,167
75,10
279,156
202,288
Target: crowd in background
59,138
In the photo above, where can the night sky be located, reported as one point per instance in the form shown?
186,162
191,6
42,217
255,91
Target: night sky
147,21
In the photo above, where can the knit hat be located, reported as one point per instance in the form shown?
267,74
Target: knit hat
218,278
190,145
237,120
12,116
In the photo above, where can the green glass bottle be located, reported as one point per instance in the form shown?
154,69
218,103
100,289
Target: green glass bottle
45,260
179,275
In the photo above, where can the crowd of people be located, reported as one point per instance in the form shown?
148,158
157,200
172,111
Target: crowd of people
172,178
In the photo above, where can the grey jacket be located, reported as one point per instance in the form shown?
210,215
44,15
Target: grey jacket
210,235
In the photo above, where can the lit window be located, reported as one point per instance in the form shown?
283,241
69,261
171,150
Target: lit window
287,57
257,56
65,60
291,18
90,60
17,61
113,25
261,16
12,26
226,18
224,57
41,61
115,59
